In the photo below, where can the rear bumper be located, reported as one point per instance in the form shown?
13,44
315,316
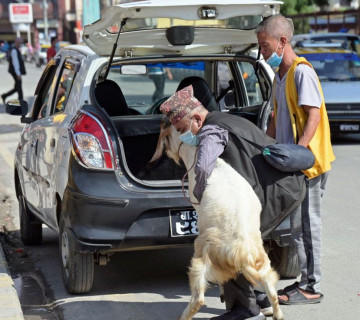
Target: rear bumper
103,227
104,215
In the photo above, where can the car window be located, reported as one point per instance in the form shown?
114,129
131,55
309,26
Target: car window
253,92
142,91
63,90
42,102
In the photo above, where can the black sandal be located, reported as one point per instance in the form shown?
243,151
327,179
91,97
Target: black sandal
288,288
295,296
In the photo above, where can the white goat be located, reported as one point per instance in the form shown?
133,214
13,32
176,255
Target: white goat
229,240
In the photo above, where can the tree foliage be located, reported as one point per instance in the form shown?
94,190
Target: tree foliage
292,7
301,6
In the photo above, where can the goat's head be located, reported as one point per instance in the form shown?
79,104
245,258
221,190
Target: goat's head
168,141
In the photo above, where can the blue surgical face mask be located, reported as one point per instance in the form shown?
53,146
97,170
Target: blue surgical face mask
274,60
189,138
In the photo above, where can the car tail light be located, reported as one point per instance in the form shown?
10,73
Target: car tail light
91,143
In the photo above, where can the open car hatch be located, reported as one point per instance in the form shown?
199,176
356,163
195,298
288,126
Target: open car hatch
218,26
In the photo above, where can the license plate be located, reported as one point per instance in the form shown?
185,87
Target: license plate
183,222
349,127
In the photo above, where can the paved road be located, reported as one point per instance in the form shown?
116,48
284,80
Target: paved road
153,284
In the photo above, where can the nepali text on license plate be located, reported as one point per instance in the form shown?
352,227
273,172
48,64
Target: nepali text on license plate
349,127
183,222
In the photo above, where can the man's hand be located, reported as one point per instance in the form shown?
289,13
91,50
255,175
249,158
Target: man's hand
271,130
19,77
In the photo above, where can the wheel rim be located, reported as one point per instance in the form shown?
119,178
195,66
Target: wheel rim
65,252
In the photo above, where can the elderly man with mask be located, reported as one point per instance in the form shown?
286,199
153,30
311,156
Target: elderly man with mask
237,141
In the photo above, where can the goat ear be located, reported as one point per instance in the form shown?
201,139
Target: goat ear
160,144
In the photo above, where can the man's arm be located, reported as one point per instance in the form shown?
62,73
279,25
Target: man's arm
168,73
309,98
271,130
310,125
213,141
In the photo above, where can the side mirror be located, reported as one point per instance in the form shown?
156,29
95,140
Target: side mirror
17,107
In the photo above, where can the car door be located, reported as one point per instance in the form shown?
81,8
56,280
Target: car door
51,133
244,89
31,135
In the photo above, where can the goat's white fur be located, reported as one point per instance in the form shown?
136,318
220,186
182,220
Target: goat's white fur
229,240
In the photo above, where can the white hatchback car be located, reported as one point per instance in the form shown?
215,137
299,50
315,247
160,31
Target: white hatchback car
81,164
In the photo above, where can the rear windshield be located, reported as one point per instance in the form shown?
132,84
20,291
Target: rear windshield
142,91
241,22
151,84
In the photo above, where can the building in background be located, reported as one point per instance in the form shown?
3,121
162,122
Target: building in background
62,18
66,18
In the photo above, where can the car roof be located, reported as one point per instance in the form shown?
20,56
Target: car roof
213,39
82,48
324,54
323,35
317,50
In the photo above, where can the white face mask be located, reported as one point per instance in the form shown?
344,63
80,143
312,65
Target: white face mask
189,138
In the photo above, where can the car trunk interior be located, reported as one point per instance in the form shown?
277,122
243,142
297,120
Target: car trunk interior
126,98
139,135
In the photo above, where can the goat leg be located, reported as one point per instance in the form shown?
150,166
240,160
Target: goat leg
198,282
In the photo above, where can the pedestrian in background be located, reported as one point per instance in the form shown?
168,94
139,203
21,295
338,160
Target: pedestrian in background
16,69
157,74
299,117
51,52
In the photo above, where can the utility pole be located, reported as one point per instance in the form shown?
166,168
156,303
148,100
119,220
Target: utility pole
46,29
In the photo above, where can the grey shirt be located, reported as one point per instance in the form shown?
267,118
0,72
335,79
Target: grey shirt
307,86
15,61
212,142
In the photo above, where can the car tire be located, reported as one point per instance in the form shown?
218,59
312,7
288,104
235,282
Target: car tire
77,268
30,226
285,261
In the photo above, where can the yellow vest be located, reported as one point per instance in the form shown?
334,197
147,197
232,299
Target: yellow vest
320,144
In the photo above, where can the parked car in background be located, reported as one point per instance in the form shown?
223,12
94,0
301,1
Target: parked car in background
44,48
339,74
42,54
348,41
81,166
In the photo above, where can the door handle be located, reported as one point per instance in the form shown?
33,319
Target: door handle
34,143
52,142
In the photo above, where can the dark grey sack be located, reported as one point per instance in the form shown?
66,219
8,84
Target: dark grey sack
288,157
